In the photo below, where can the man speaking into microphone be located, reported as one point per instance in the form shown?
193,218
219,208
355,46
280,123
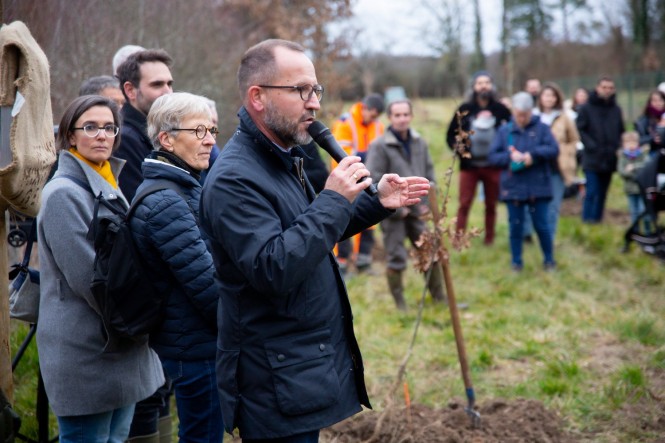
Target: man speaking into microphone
288,363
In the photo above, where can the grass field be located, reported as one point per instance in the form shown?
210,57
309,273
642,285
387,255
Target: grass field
587,340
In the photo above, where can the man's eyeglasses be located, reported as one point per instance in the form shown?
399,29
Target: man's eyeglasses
93,130
305,91
200,131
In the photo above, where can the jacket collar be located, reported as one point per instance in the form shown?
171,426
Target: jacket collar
391,138
595,99
514,128
134,117
155,168
68,164
247,125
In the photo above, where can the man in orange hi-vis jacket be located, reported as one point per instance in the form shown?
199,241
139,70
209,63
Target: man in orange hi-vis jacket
354,131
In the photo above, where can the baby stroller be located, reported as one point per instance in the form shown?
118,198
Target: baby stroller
646,231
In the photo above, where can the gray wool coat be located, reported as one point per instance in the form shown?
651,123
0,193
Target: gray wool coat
80,376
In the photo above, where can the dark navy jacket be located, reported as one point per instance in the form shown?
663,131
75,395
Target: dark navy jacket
179,263
530,182
288,361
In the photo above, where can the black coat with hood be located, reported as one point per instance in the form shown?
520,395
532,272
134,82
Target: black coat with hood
600,125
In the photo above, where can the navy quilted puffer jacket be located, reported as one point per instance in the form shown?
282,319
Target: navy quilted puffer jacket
179,263
531,182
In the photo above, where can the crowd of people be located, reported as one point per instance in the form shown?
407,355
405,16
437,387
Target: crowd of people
251,244
537,145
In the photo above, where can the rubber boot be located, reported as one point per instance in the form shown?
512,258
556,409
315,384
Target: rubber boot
152,438
396,288
165,426
435,285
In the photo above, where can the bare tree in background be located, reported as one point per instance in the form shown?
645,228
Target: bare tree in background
567,8
478,57
448,31
206,39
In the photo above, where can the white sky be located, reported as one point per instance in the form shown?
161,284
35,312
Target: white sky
398,27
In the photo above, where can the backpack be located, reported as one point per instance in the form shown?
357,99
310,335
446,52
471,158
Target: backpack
130,305
482,137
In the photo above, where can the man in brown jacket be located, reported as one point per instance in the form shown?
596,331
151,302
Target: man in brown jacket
403,151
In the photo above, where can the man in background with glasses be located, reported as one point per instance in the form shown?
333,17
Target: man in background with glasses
144,77
288,362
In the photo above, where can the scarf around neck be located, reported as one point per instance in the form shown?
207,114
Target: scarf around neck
104,169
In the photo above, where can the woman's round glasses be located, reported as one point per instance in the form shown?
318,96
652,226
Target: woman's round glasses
200,131
92,130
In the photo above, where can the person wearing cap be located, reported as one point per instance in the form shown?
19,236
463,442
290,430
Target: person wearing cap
474,164
354,131
524,150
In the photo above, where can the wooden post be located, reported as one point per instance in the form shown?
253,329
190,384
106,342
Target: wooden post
6,378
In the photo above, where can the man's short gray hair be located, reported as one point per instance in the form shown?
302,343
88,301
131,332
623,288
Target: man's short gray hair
522,101
95,85
168,112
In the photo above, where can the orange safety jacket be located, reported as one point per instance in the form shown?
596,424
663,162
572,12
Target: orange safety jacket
352,135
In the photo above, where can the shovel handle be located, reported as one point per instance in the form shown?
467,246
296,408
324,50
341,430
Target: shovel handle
452,306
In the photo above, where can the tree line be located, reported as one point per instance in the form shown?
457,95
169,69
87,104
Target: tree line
207,38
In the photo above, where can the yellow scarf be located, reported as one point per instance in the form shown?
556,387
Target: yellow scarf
104,169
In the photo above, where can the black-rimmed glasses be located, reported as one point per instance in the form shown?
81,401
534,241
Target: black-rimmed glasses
92,130
200,131
305,91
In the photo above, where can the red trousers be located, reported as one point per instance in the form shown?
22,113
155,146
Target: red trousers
468,181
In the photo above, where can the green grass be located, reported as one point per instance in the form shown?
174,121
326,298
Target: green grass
587,340
562,338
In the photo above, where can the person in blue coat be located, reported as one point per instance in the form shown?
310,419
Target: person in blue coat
165,229
288,363
525,148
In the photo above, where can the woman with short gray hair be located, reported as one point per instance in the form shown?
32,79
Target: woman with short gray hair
165,229
525,148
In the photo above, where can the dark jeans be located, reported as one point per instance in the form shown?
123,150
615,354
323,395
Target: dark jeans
197,401
307,437
468,182
538,209
105,427
149,410
597,184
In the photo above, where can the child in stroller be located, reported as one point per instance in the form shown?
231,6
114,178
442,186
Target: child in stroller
651,180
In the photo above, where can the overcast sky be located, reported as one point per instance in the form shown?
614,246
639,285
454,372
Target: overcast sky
399,26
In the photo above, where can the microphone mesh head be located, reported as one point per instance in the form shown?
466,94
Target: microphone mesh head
316,128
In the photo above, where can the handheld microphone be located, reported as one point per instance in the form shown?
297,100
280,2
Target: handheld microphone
324,138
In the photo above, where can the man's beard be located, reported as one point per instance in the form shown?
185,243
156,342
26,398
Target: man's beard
287,131
484,95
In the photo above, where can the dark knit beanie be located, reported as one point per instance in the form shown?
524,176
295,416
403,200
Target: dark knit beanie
481,73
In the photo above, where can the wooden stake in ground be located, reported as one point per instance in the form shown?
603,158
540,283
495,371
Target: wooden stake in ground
454,315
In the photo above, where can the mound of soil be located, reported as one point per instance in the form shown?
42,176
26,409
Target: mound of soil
514,421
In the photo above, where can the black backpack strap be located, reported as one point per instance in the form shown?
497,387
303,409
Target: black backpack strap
158,185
